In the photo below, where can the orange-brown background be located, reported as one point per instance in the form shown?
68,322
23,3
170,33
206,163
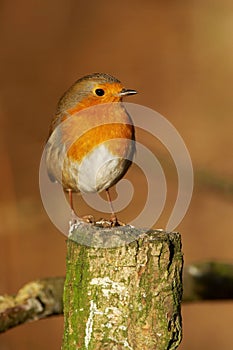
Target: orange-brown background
179,55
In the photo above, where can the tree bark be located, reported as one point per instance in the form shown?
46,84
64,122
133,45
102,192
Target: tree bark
35,300
126,297
205,281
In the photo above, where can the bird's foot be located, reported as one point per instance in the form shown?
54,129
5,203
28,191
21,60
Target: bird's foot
115,222
112,222
89,219
75,220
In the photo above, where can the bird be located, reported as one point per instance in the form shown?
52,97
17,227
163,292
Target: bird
91,142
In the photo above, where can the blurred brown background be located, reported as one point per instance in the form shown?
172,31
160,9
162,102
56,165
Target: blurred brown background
179,55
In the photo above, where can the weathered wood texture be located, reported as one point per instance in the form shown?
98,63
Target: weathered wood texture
39,299
126,297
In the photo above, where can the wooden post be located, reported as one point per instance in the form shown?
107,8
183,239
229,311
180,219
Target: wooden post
124,297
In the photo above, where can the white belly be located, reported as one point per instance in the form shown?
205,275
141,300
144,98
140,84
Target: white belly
100,170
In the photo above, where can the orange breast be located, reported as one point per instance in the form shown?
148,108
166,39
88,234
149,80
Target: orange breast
83,131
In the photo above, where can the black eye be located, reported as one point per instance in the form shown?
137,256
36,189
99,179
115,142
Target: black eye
99,92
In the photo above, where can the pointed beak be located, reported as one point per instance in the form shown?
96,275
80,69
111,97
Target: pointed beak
127,92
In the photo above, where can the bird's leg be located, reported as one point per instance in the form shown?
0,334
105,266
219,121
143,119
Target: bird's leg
70,194
74,216
113,217
71,203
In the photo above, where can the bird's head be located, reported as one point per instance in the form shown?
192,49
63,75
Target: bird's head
92,90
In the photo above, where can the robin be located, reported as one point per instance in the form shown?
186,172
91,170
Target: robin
91,138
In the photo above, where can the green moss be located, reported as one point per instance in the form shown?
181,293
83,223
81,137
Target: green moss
76,304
